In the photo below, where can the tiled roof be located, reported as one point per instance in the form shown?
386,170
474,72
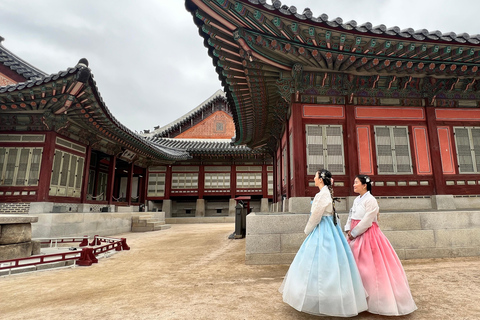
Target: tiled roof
38,81
163,152
265,52
165,130
169,153
367,27
19,66
204,146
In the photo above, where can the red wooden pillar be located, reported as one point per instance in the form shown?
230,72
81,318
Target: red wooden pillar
47,166
86,173
97,173
129,184
264,181
279,170
142,189
201,181
233,181
111,178
299,151
290,176
275,192
438,177
352,152
168,183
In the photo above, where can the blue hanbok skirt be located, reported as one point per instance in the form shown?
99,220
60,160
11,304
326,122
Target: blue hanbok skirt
323,278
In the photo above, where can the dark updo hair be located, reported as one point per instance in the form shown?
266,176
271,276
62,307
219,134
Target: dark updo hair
365,180
327,180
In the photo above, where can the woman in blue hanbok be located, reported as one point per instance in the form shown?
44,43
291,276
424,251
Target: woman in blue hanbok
323,278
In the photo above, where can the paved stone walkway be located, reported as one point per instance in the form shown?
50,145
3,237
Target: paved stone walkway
193,271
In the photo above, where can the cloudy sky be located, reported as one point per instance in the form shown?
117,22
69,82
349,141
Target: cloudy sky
147,57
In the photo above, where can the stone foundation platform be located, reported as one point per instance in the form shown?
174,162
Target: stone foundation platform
274,238
16,236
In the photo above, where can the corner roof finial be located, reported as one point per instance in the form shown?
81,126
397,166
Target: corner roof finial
83,62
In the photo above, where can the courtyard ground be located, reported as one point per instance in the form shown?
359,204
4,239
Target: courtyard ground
193,271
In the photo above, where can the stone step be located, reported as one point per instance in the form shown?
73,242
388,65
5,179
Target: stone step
142,217
155,223
145,223
163,227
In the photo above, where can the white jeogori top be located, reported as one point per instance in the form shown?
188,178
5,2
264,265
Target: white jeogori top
365,208
321,206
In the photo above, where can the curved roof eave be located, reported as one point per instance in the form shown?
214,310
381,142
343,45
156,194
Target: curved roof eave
230,24
163,153
307,16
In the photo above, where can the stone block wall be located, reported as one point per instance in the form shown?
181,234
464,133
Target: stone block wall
52,225
273,238
14,207
276,238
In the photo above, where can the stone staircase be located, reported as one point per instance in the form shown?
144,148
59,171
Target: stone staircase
149,222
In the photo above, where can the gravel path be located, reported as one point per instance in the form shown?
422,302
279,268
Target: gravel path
193,271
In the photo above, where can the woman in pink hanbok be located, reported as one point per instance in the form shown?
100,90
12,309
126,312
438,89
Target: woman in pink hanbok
382,273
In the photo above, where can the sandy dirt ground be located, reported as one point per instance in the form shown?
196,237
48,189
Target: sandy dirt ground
196,272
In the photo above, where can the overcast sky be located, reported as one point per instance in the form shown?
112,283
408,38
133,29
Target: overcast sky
147,57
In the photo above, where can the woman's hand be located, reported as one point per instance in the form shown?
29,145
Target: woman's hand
349,235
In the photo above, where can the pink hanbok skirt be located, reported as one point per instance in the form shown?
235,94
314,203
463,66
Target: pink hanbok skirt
382,273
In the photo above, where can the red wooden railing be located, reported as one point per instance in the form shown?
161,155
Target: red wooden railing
55,241
85,257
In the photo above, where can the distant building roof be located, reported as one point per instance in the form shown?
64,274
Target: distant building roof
22,68
201,111
205,146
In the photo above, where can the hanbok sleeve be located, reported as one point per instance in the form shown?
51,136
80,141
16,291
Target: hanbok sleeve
371,212
349,220
320,203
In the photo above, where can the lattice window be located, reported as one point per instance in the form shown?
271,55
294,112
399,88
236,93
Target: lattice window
67,175
248,168
185,168
91,182
270,183
22,138
249,180
467,142
156,185
102,186
325,148
70,145
217,180
157,169
20,166
393,150
218,168
184,180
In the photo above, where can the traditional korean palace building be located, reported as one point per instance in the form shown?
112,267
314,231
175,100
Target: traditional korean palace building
399,105
62,150
217,173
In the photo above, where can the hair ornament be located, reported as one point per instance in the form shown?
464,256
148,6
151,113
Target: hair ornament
367,180
322,175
